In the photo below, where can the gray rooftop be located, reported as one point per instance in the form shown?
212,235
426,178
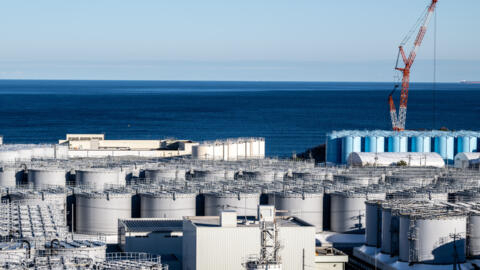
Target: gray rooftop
214,221
151,224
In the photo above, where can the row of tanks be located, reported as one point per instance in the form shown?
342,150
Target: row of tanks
408,232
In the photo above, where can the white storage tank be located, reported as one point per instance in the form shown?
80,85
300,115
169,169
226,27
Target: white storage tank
39,197
203,151
347,210
13,254
373,229
259,175
24,154
306,205
279,175
428,237
245,203
230,174
213,174
167,204
161,174
389,230
241,150
45,177
356,179
95,250
473,234
99,178
180,174
469,195
255,148
9,177
8,156
98,212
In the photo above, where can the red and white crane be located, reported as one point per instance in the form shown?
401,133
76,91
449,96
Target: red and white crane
398,121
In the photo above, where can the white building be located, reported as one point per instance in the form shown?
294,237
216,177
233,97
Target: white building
95,145
467,160
217,243
411,159
212,242
230,149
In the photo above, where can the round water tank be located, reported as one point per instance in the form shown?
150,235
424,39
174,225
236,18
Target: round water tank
279,175
472,195
387,230
41,178
303,175
373,229
209,175
24,155
203,151
99,178
8,156
230,150
473,236
307,206
180,174
98,212
421,144
161,174
12,255
428,238
95,250
356,180
245,204
410,180
167,204
32,197
259,176
347,211
230,174
9,177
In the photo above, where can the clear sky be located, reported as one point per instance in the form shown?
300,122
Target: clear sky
302,40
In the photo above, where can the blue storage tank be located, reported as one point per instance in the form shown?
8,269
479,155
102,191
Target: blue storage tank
374,144
421,144
357,144
403,147
394,144
350,144
334,150
347,147
397,144
466,144
445,147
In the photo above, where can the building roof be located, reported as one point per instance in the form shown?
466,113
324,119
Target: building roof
151,224
406,133
389,159
214,221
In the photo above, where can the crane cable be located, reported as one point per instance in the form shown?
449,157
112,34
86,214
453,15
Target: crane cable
434,86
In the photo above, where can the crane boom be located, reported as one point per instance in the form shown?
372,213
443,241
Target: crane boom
398,121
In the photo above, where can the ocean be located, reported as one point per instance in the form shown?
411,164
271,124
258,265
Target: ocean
292,116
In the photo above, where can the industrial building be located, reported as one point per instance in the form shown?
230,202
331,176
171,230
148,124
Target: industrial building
79,202
230,149
412,159
95,145
445,143
467,160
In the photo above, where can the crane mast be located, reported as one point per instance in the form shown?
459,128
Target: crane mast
398,121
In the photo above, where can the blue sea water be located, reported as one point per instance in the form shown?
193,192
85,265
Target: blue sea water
292,116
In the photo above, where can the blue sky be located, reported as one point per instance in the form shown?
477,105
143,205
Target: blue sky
304,40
